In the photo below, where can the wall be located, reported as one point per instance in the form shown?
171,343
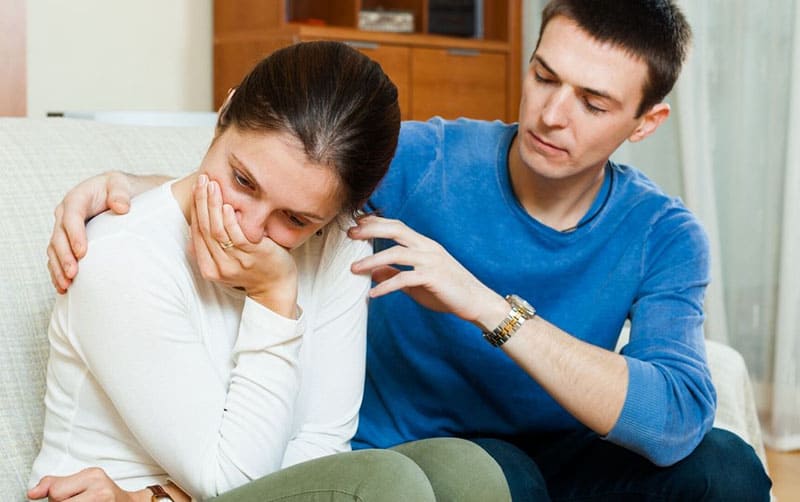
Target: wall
100,55
96,55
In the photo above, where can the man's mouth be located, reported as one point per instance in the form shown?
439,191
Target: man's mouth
545,146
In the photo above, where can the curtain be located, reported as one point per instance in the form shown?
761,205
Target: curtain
731,151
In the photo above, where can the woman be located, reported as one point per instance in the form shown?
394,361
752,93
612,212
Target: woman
215,334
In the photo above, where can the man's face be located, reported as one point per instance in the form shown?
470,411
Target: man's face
579,101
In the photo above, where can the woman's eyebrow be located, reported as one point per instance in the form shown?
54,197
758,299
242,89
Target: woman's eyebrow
246,171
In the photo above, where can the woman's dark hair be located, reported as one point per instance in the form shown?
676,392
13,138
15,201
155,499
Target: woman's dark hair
336,101
653,30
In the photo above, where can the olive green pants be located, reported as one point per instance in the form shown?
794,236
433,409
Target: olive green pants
443,469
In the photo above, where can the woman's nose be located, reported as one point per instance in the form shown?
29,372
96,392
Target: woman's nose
254,222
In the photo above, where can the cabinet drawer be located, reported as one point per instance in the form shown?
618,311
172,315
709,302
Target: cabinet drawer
456,83
395,62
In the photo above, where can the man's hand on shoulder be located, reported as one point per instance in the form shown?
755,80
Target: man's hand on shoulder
111,190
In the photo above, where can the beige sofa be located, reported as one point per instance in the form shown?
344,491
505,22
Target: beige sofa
39,160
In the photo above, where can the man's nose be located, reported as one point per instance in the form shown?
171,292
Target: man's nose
556,109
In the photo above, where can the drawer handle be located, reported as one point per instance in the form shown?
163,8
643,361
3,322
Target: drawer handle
362,45
464,52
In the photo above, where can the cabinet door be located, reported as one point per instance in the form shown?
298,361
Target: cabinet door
456,83
395,61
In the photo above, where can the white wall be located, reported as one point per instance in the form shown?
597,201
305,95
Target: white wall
100,55
531,18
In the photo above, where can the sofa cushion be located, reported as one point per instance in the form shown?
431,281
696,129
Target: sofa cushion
39,160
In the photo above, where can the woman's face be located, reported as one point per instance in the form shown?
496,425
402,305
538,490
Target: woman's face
274,189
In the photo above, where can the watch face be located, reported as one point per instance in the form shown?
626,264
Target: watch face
522,305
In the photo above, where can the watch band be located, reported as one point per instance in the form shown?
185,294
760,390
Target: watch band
520,312
159,494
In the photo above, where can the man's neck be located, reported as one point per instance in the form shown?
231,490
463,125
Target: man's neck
559,203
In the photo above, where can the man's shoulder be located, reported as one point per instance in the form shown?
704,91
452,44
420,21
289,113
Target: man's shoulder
419,134
663,217
635,188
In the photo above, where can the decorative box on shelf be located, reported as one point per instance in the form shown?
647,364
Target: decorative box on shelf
394,21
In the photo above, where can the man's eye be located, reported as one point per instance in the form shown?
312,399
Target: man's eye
540,78
593,109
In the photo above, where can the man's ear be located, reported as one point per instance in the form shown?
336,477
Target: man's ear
649,122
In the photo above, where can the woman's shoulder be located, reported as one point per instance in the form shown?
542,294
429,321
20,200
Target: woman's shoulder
152,216
152,234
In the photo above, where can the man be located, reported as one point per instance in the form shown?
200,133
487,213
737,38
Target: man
536,211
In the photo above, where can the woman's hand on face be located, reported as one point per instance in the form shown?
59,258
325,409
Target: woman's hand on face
264,269
89,484
436,280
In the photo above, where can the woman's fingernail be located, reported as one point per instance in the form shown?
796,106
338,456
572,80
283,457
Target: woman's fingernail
203,179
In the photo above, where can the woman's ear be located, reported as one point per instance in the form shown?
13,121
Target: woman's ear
222,114
648,124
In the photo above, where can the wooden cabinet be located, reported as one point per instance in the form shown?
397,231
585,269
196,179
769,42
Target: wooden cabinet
435,74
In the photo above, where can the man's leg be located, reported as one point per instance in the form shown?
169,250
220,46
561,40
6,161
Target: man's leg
363,476
524,479
581,466
458,470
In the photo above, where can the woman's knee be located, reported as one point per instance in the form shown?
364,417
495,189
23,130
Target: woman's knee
458,469
388,475
365,476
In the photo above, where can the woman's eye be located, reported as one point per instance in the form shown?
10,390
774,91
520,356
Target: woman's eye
295,220
241,180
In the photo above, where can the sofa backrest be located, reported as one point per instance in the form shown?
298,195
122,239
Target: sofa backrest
40,159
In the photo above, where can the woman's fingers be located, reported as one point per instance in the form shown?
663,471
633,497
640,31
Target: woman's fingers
205,261
216,227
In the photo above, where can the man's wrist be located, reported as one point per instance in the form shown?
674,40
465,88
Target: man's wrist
493,312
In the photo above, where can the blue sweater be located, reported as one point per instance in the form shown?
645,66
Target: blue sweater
638,255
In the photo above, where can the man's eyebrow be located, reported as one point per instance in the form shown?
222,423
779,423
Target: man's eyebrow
246,171
595,92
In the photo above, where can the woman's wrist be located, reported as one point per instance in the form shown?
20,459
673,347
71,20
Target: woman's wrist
282,301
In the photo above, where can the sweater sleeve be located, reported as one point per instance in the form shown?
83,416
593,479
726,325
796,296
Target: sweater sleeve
128,318
671,400
334,355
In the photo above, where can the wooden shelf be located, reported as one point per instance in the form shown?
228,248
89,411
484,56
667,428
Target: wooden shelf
435,74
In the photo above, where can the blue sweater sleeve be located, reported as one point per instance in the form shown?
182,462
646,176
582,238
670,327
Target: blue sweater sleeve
671,400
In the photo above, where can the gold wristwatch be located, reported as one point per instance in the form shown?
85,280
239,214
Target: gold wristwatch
520,312
159,494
